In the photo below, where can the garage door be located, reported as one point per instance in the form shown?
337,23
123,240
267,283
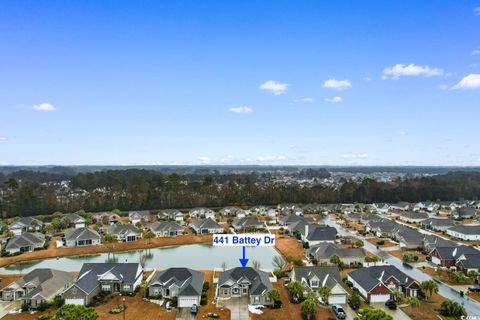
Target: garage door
436,260
337,299
74,301
185,302
379,297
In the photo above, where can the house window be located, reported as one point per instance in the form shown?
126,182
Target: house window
314,283
256,299
74,290
235,290
126,287
105,287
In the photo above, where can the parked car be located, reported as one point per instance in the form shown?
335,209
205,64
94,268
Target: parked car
168,305
474,288
194,309
391,304
339,312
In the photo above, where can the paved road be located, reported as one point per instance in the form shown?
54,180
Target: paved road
184,314
471,306
7,306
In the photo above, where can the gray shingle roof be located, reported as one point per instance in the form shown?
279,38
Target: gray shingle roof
317,232
465,229
260,283
329,276
47,282
82,234
326,250
122,229
208,223
89,276
25,240
165,226
190,282
369,278
74,218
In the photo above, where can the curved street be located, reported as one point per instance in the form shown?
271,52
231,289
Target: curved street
471,306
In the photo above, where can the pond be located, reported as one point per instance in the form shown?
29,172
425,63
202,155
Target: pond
195,256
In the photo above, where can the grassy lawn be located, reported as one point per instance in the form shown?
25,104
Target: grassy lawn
387,243
399,254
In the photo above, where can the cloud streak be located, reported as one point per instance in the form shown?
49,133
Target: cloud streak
242,109
411,70
337,84
472,81
44,107
336,99
276,88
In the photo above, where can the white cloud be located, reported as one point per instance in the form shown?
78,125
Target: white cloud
276,88
442,86
3,138
304,100
292,146
476,11
334,99
44,107
271,158
472,81
402,133
402,70
355,156
204,160
476,52
242,109
367,78
337,84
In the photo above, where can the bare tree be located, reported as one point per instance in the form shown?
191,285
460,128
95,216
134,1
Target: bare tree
256,264
278,262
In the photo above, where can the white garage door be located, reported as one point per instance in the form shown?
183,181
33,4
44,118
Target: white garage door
436,260
74,301
379,297
185,302
337,299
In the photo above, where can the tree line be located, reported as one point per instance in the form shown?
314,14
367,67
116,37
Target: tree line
135,189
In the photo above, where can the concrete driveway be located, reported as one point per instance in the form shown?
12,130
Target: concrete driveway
349,311
238,307
7,306
184,314
396,314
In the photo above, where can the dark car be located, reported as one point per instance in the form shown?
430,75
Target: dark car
194,309
391,304
339,312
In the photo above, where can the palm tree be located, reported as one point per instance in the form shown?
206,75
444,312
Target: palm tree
274,294
295,288
324,292
429,286
309,308
413,301
397,294
359,243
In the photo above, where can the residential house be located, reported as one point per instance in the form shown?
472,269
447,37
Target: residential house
353,217
204,226
426,205
174,215
39,285
437,224
468,262
383,227
464,213
183,283
74,220
465,232
247,223
289,219
232,212
414,216
409,238
166,229
245,282
109,277
25,242
139,217
313,278
25,224
401,206
82,237
322,253
376,283
124,232
447,256
106,218
318,233
366,218
431,241
381,207
202,213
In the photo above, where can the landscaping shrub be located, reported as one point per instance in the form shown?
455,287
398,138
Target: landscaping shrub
349,283
58,301
380,242
206,286
118,310
42,306
415,258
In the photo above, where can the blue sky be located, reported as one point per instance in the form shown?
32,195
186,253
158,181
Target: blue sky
240,82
